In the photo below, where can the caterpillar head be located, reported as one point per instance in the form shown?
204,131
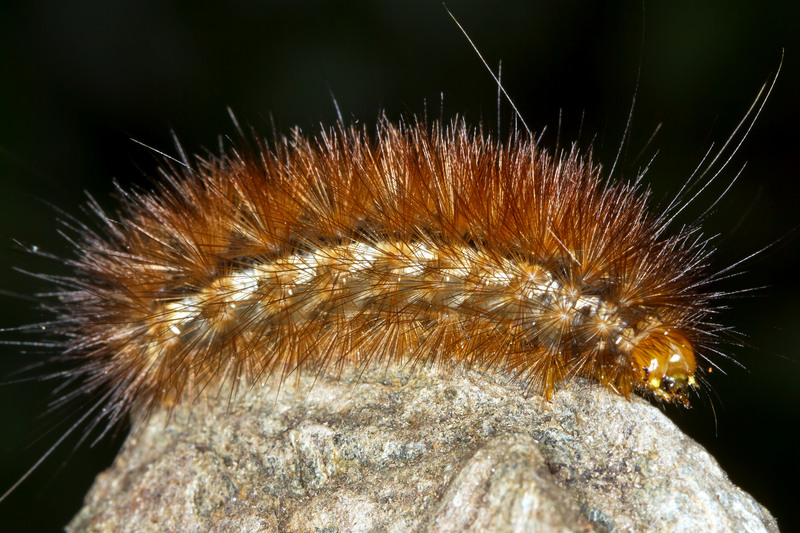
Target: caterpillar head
665,363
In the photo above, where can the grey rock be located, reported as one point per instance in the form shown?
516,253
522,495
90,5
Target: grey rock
421,450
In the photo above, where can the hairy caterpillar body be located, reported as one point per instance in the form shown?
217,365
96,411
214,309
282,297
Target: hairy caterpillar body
413,245
697,73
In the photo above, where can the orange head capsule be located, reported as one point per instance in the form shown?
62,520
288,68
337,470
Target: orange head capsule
665,364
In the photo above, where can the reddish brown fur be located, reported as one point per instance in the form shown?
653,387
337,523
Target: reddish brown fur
449,189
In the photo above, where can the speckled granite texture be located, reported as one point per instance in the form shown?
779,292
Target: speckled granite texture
415,451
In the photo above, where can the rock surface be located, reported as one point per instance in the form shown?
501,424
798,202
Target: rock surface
415,451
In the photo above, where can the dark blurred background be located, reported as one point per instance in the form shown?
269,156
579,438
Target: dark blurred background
80,79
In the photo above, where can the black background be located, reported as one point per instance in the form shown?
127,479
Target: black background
79,79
